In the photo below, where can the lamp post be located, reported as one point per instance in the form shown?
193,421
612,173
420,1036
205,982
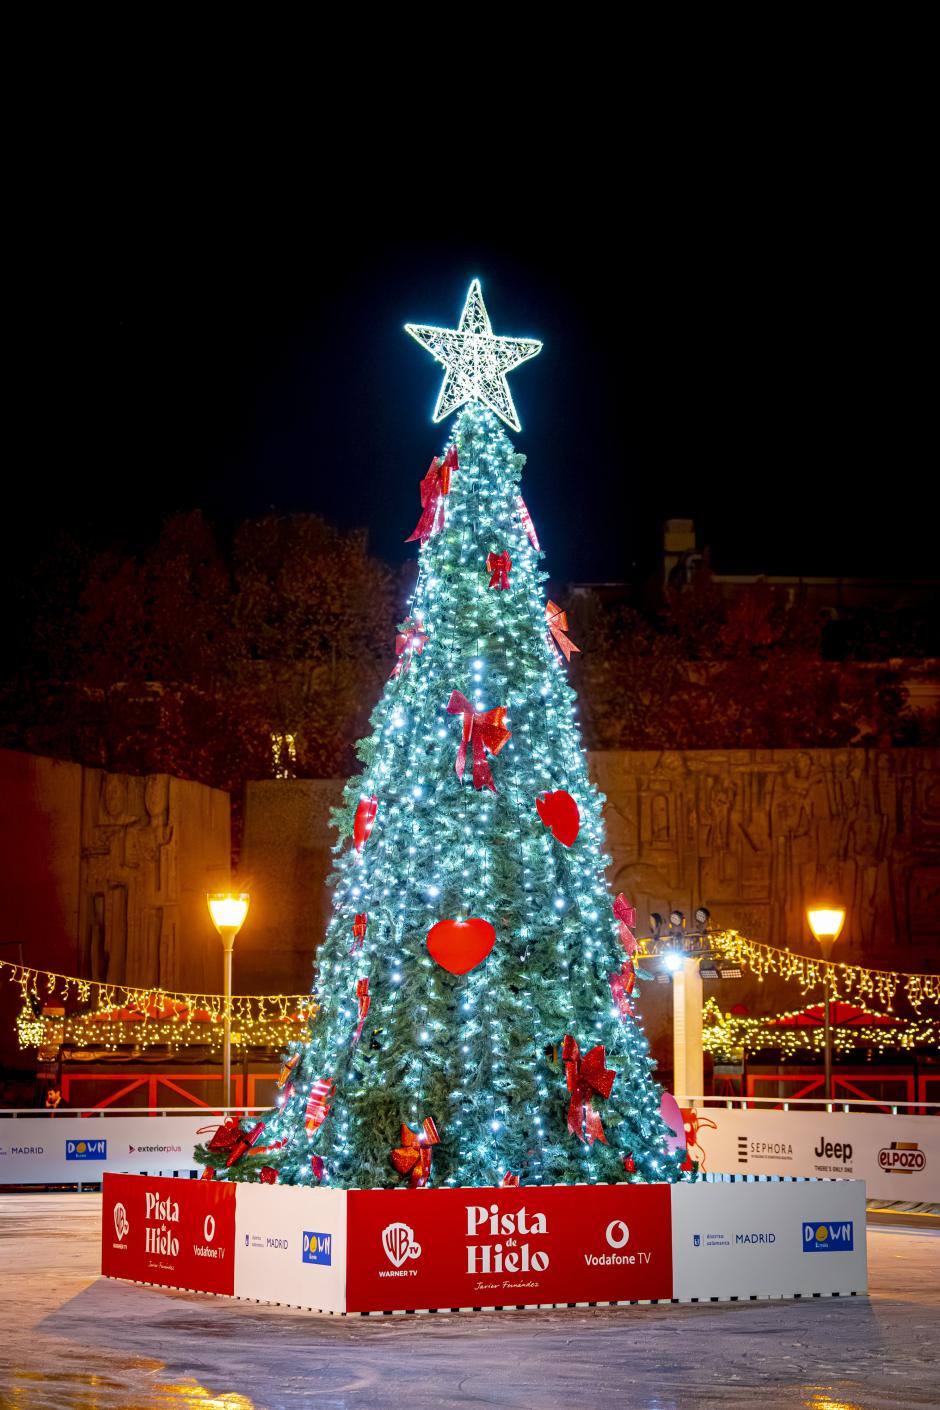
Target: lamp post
826,923
228,916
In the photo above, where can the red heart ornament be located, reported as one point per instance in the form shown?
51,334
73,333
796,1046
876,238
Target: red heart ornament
460,945
559,813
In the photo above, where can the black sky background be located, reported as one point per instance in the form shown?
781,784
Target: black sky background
738,342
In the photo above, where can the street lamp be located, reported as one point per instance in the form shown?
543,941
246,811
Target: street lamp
228,916
826,923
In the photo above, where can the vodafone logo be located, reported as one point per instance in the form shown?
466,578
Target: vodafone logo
121,1224
398,1241
208,1229
617,1234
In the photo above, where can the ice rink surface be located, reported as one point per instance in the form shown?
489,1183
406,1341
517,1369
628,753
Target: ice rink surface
73,1340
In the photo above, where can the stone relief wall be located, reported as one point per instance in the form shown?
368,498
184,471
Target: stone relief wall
757,835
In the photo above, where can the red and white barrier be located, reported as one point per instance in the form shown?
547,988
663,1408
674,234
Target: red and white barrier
379,1251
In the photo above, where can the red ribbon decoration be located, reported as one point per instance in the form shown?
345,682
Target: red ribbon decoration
287,1069
585,1075
558,626
413,1156
362,994
626,914
224,1135
317,1166
509,1180
318,1104
359,930
527,524
621,987
364,820
276,1146
408,643
434,486
244,1143
498,565
485,731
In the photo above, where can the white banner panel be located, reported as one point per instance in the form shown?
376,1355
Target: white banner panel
898,1157
290,1246
79,1149
768,1240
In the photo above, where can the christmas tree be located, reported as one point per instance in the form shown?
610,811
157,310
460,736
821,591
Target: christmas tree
476,984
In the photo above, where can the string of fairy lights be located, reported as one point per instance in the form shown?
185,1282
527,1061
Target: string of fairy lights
726,1036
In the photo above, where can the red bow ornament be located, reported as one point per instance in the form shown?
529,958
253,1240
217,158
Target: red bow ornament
558,626
362,995
359,930
413,1156
434,486
408,643
244,1143
224,1136
626,914
527,524
585,1076
498,566
318,1104
486,731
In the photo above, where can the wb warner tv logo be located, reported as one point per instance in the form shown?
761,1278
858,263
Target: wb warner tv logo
828,1237
86,1150
317,1248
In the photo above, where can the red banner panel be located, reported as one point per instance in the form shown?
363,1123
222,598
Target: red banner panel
507,1247
179,1233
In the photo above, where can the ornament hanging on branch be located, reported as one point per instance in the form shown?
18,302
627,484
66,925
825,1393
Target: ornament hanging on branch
585,1076
434,486
359,931
460,945
498,566
363,999
408,643
629,1164
482,732
267,1175
621,987
509,1180
626,915
364,820
286,1070
224,1135
318,1104
558,626
527,524
317,1166
244,1143
413,1156
559,812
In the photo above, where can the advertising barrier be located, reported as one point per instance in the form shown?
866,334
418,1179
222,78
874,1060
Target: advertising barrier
37,1150
898,1157
387,1251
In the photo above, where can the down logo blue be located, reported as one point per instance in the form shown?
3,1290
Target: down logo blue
86,1150
317,1248
828,1236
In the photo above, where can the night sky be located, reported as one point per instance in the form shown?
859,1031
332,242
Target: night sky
742,360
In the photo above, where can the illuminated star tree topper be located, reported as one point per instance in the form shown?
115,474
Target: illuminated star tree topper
475,360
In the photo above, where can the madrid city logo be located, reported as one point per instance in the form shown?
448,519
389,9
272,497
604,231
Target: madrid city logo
398,1241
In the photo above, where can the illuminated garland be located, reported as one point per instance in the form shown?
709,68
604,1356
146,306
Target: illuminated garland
843,981
726,1034
117,1015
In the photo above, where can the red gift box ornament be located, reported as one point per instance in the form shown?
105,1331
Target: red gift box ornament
558,626
527,524
359,930
482,732
365,818
318,1104
244,1143
585,1076
559,812
362,996
434,486
626,915
498,566
409,642
268,1175
413,1156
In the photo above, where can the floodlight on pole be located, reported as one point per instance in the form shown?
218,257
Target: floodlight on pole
826,923
228,912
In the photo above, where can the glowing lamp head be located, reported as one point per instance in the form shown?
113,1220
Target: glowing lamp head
228,911
826,923
672,961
